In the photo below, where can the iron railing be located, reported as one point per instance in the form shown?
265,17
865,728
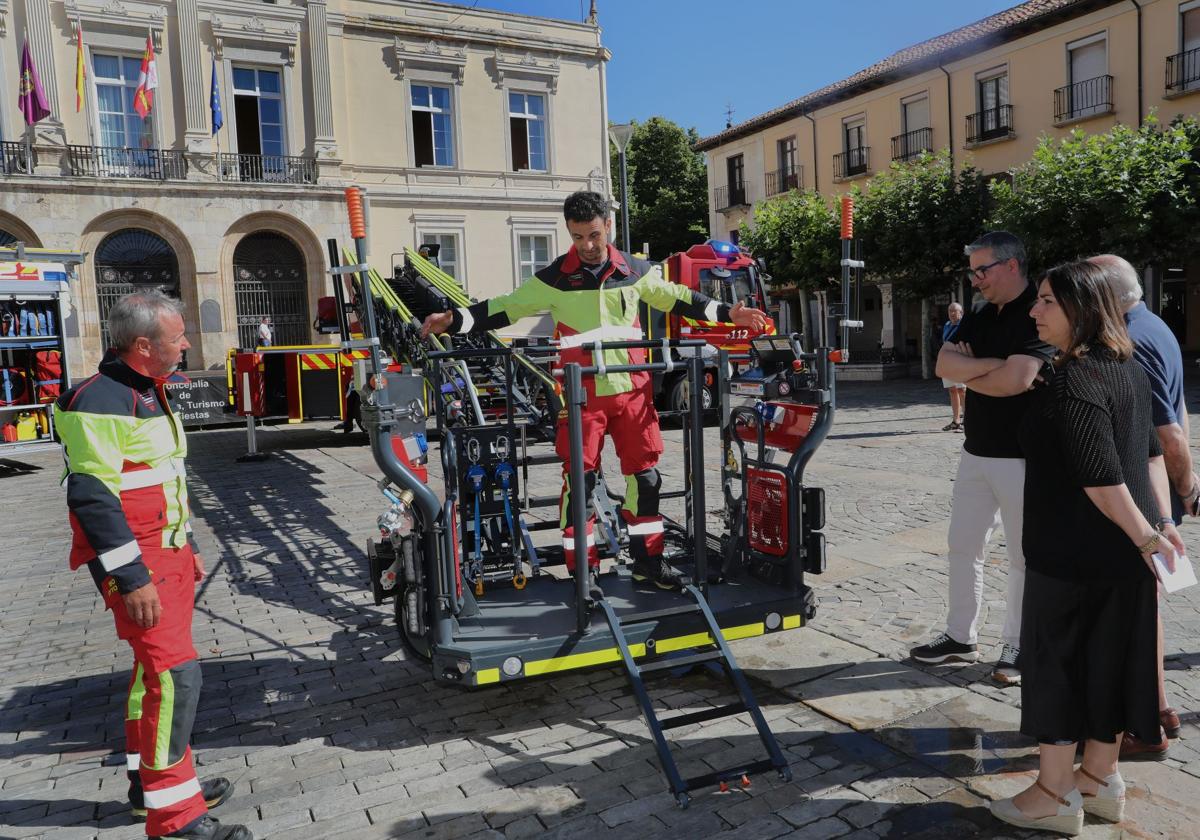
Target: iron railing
113,162
1183,71
782,180
733,195
989,124
852,162
1083,99
271,169
16,158
910,144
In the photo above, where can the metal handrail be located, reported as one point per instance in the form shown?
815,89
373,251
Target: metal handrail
16,158
990,123
729,196
266,169
1083,99
782,180
853,161
912,143
1183,70
117,162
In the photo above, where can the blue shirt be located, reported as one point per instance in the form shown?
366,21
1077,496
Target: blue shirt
1156,349
949,329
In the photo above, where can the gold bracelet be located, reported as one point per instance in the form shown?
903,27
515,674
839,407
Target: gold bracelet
1150,544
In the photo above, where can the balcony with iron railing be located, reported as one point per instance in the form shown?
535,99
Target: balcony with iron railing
728,197
782,180
16,158
1183,72
1089,98
266,169
113,162
852,162
990,124
912,143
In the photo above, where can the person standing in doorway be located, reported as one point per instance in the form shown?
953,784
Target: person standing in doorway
264,332
958,391
997,354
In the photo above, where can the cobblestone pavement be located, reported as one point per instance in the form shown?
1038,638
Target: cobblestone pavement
311,707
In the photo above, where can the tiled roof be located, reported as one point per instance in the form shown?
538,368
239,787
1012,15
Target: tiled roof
1000,27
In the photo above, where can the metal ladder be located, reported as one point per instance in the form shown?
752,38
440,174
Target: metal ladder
721,654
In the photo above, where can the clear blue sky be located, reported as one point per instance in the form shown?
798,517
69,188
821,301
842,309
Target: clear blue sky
687,59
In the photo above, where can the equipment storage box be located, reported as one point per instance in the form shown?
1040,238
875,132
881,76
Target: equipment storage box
33,357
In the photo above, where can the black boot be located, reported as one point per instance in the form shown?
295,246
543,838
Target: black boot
215,791
208,828
659,571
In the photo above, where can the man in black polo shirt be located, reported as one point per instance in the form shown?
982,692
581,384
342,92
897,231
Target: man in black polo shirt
997,353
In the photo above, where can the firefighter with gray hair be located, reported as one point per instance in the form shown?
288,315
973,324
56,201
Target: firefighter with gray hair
127,501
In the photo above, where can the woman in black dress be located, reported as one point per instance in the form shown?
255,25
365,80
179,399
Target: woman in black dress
1095,501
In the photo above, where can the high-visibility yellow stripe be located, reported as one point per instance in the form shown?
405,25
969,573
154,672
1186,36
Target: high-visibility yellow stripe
166,713
613,654
137,691
791,622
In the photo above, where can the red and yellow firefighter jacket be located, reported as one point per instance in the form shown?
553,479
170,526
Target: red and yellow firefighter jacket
126,488
588,308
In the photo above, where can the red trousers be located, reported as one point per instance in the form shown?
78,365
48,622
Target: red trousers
163,694
632,421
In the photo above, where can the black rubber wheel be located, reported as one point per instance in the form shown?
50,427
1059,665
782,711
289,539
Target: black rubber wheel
418,648
678,399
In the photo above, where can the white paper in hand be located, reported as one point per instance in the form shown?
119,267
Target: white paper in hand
1183,576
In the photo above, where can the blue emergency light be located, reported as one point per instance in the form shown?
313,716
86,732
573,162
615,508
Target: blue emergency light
722,248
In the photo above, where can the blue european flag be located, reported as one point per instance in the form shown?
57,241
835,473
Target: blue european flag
218,118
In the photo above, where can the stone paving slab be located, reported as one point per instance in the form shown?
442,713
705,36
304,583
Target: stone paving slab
329,731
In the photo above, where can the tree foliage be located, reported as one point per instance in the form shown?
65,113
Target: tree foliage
914,219
797,235
1131,191
668,187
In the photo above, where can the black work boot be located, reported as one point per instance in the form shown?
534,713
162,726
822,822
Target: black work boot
659,571
215,791
208,828
595,593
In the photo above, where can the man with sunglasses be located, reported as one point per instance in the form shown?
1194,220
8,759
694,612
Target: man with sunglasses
997,354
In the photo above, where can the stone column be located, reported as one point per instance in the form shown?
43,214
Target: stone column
325,141
49,138
195,91
889,335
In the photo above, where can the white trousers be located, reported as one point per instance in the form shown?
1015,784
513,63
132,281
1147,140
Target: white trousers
987,491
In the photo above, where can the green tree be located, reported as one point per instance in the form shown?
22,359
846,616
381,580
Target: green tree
796,234
914,219
668,187
1130,191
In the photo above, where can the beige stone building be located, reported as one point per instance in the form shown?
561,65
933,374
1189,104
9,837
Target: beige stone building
467,127
988,92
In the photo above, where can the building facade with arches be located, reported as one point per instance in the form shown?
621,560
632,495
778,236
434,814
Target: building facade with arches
466,128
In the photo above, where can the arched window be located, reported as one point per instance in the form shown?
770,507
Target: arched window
132,260
6,238
269,279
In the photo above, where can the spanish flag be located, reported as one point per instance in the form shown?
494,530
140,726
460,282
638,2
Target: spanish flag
143,97
80,71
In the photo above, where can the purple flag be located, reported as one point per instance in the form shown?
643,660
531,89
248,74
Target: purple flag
32,100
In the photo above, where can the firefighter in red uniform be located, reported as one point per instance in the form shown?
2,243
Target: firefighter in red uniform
127,497
593,292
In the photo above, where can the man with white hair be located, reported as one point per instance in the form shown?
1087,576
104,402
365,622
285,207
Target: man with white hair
1156,349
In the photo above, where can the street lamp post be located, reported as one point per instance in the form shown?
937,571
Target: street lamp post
620,135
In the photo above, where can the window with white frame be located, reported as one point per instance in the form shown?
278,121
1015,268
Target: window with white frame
533,254
1184,69
527,127
116,80
432,126
447,256
854,146
258,111
1088,90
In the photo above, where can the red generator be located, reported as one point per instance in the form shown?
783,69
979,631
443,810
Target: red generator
778,409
